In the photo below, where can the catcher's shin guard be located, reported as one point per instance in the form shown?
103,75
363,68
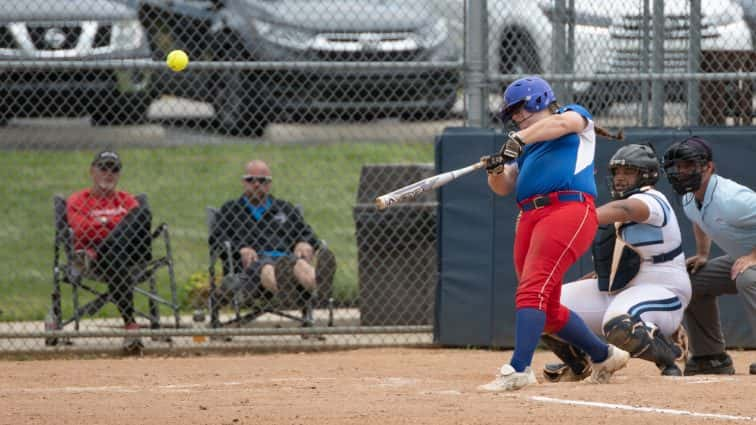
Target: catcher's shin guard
647,343
576,366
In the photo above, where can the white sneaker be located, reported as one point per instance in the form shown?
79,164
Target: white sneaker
617,359
509,380
132,344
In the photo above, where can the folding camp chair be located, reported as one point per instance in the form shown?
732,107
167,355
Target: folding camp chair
246,309
142,277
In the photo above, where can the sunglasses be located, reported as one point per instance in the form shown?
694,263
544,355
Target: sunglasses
115,168
258,179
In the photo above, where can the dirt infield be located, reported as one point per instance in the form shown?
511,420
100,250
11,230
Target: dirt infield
366,386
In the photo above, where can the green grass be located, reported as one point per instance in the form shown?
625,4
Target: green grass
180,183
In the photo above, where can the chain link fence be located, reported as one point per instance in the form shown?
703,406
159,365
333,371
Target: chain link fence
341,100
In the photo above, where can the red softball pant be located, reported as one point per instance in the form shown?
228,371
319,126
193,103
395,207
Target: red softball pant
548,241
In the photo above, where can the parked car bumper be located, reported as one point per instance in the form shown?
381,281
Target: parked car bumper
62,93
364,89
374,91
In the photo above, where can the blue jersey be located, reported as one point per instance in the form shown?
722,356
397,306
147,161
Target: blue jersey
565,163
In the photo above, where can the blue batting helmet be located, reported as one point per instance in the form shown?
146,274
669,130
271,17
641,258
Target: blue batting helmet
533,93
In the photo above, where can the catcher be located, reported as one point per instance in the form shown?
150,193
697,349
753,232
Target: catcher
640,287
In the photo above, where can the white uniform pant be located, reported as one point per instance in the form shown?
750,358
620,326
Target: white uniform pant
654,304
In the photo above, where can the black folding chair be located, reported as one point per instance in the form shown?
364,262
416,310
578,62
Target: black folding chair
247,310
143,277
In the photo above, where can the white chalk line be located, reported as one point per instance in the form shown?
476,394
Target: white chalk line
441,392
641,409
194,387
104,389
708,380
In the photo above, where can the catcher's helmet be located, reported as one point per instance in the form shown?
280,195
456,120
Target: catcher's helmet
693,149
532,93
640,157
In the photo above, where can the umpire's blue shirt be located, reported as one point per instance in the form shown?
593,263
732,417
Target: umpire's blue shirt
727,215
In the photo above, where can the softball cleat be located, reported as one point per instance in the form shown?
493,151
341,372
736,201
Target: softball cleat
603,371
509,379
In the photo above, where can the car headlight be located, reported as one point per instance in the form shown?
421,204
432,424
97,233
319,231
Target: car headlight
127,35
434,34
284,35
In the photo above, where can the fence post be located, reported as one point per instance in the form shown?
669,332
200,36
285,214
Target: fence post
645,48
694,62
559,46
569,65
657,63
476,63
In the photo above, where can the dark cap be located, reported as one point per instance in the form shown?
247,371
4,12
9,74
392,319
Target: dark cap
107,156
701,146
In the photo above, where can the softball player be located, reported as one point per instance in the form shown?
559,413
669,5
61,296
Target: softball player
552,174
642,288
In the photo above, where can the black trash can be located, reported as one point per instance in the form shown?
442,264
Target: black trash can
396,248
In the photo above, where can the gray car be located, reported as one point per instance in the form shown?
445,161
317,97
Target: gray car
59,31
285,31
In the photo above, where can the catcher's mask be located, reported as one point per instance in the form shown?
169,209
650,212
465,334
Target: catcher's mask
640,157
684,162
531,93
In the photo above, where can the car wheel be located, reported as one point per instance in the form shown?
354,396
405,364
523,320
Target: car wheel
433,113
5,112
518,55
124,109
241,108
598,98
430,114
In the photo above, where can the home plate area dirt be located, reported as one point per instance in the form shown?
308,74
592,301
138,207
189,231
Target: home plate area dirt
365,386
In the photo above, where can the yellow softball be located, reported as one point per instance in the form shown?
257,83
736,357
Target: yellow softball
177,60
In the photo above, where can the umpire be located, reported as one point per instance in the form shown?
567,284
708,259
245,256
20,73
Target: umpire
722,211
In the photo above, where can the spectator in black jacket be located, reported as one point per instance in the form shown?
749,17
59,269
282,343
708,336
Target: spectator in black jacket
269,238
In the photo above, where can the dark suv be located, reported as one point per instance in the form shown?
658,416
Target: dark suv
282,31
50,31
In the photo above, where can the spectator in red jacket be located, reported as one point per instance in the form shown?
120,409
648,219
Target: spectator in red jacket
111,235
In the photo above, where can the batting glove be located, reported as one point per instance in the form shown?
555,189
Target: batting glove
513,147
494,164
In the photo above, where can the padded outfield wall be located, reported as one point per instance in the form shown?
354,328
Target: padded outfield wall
476,285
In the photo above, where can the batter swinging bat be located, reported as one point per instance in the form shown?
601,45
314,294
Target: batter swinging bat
411,191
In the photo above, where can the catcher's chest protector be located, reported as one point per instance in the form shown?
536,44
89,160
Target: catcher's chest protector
615,261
